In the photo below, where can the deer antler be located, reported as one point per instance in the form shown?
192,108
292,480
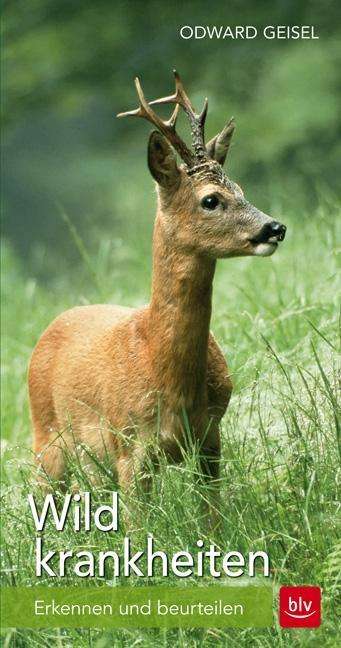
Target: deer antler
197,122
167,128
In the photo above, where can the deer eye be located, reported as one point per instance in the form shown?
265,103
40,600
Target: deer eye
210,202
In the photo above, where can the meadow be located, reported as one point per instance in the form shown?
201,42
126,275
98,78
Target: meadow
277,321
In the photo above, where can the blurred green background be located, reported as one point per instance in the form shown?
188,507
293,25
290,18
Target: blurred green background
69,67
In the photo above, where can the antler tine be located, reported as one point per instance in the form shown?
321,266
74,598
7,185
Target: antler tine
143,109
180,90
179,97
171,122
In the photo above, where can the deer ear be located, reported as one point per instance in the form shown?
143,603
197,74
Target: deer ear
162,161
217,148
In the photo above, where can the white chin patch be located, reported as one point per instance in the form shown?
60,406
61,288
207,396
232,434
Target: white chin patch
264,249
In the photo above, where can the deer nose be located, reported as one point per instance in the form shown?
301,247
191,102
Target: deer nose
272,230
278,230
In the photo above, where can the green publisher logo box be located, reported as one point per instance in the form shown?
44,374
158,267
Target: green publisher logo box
139,607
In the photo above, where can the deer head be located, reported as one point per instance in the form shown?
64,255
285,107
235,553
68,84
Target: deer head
201,209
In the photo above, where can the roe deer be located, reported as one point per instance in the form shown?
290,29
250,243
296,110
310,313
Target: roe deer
124,377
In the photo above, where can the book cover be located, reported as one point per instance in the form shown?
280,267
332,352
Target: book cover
170,324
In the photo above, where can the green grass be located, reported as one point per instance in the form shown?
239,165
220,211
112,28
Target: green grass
277,322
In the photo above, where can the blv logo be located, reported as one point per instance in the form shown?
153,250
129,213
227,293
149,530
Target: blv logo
300,607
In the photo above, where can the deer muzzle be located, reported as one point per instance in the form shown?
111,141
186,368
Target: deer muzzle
270,232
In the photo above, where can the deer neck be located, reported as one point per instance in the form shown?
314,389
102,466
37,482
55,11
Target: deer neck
180,313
